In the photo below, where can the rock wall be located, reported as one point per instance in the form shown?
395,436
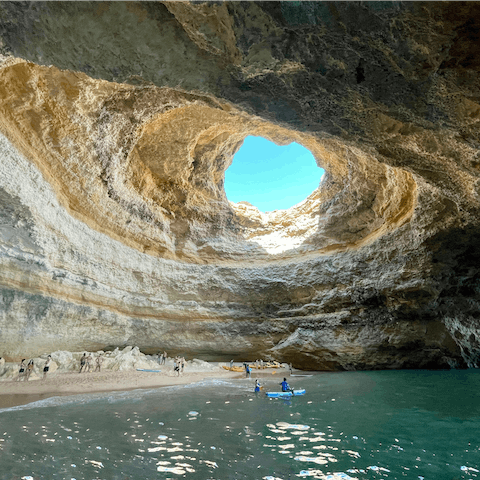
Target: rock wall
118,121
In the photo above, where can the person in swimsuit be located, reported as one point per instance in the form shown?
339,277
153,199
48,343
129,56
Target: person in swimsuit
176,366
98,362
285,386
89,361
29,370
257,386
21,369
46,367
83,363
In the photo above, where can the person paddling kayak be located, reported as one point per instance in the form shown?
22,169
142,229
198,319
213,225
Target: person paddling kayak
285,386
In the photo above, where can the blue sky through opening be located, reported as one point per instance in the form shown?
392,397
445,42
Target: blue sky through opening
271,177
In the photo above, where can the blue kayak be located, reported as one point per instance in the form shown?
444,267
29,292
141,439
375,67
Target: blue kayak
147,370
285,394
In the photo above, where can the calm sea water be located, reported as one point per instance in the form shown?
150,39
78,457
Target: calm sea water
360,425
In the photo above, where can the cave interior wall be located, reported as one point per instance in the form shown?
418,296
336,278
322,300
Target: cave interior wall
119,119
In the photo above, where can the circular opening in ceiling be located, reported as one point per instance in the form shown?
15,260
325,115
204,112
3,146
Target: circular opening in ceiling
271,177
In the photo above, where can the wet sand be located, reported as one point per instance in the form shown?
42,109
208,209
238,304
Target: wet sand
14,393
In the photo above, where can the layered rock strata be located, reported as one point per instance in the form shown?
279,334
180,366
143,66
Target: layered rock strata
114,224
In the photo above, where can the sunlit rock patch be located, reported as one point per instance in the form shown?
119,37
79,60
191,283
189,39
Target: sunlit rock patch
145,165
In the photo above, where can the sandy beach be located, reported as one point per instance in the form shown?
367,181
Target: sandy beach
121,371
18,393
14,393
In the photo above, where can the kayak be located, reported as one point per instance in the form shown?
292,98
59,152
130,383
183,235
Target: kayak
234,369
147,370
285,394
300,375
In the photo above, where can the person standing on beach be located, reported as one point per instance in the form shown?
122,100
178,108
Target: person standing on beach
46,367
83,362
176,366
183,364
98,362
164,357
291,368
89,361
231,364
29,370
160,358
21,369
248,372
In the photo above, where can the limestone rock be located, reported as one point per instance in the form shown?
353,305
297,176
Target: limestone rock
128,358
115,228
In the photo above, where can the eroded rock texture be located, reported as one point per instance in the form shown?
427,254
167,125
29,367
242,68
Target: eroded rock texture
118,121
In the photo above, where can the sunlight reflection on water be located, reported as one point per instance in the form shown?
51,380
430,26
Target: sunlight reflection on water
380,426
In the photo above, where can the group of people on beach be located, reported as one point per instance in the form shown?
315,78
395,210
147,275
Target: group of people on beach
86,362
26,369
257,364
178,362
162,357
178,365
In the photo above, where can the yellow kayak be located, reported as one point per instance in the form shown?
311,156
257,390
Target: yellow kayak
242,369
234,369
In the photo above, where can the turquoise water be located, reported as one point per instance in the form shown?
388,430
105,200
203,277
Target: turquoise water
363,425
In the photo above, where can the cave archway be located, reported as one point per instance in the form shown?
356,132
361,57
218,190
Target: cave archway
271,177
